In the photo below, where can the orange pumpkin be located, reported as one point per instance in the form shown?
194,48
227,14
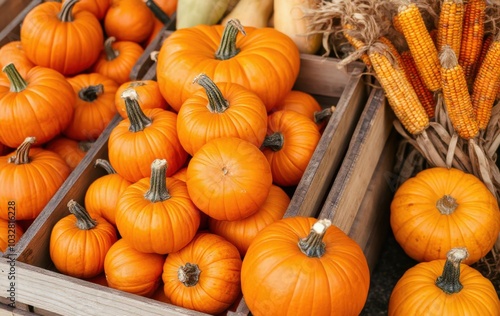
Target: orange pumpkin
133,271
156,214
10,231
13,52
70,150
241,233
30,177
56,37
304,266
220,110
96,7
264,60
148,96
79,243
94,106
38,104
203,276
229,178
129,20
289,145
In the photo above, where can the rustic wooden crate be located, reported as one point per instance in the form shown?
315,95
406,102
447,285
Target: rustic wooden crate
12,13
48,292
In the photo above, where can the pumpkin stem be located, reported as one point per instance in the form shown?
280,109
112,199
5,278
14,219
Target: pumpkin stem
138,120
91,93
447,204
323,115
108,49
274,141
216,101
22,155
84,146
227,48
65,14
189,274
449,281
17,82
158,182
105,164
83,219
313,245
157,11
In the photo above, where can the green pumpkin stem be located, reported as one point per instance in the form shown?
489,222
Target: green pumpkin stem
83,219
274,141
323,115
157,11
17,82
449,281
189,274
65,15
108,49
22,155
105,164
138,120
313,245
158,182
446,205
227,48
216,101
91,93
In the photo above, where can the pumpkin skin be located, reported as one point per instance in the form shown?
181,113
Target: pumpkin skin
125,269
220,265
96,7
156,214
241,233
70,150
78,243
179,61
48,112
69,44
423,229
13,52
149,96
277,278
305,104
418,293
228,178
7,231
38,174
289,145
129,20
232,111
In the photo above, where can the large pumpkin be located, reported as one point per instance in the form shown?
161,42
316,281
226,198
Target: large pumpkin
445,288
302,266
263,60
56,37
441,208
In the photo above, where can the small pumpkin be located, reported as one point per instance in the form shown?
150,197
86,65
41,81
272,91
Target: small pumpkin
442,208
156,214
10,233
289,145
148,96
117,59
204,276
304,266
38,104
96,7
94,107
103,193
220,110
228,178
79,243
13,52
129,20
444,287
143,137
133,271
70,150
56,37
168,8
241,233
37,174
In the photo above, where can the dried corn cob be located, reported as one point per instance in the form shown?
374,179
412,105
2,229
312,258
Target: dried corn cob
484,49
450,25
434,36
472,36
484,91
356,43
456,95
421,45
400,94
392,49
425,95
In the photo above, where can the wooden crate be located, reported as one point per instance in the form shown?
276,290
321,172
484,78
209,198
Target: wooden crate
47,292
12,13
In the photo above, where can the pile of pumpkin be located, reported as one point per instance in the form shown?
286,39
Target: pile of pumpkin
57,92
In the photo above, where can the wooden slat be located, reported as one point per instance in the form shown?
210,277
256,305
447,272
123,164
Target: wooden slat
12,13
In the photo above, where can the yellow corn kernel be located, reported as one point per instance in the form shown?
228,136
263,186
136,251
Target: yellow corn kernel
356,43
450,25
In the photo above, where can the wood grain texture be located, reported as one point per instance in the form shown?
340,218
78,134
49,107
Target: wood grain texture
12,13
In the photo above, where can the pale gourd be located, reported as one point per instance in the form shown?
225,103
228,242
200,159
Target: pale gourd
254,13
194,12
